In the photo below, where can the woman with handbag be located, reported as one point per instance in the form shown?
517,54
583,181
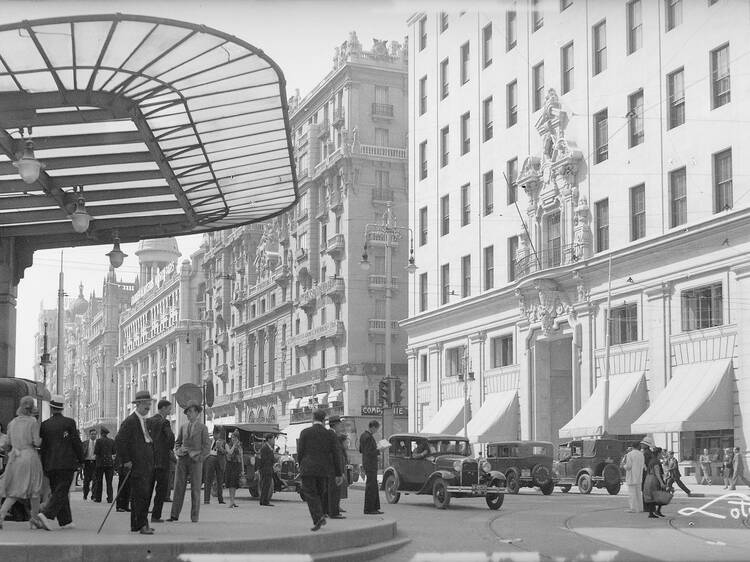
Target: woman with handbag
234,466
654,488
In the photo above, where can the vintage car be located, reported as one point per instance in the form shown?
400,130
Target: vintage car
589,463
524,463
442,466
286,472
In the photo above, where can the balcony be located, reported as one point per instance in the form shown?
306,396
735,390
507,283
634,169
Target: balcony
329,330
376,282
336,201
545,259
382,111
382,196
335,246
306,300
282,277
379,238
301,255
324,129
302,215
382,152
222,371
333,288
377,326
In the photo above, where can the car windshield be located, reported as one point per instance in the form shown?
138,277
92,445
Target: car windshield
450,447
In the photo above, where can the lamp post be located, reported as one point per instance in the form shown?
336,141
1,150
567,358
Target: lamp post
390,233
45,361
466,375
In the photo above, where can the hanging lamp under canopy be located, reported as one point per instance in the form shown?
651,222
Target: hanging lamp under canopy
172,128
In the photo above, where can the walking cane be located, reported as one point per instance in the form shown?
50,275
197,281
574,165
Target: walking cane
120,486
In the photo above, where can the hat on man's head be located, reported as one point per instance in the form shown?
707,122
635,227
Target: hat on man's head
332,420
104,431
648,441
192,404
57,402
142,396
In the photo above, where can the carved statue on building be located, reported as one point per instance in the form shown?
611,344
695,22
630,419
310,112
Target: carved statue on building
355,47
379,47
583,240
395,49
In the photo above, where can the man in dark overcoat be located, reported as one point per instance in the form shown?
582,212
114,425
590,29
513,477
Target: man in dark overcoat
105,466
265,469
163,437
369,448
135,447
336,426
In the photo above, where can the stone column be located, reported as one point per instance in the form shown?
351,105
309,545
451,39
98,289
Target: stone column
412,381
742,372
15,257
168,363
656,328
525,347
477,343
435,366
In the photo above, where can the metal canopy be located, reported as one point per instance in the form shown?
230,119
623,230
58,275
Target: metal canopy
170,127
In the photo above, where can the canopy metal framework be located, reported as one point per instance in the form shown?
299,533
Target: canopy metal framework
168,128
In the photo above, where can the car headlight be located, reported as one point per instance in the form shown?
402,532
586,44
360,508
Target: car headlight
457,466
486,466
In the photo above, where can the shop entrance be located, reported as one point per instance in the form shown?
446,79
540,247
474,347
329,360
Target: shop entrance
551,373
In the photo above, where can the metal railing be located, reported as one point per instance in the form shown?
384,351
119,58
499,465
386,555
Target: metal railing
382,109
544,259
382,151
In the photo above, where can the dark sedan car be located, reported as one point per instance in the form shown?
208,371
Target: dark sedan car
441,466
589,463
524,463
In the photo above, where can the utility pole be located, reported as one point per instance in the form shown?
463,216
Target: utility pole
607,338
60,331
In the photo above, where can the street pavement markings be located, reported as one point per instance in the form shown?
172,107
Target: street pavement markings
245,558
599,556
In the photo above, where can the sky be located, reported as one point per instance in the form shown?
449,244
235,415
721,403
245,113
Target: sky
299,35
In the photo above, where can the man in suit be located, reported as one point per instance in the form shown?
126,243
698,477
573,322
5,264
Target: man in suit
161,432
316,454
336,427
103,450
122,502
192,449
215,465
135,447
62,454
89,463
369,448
265,469
738,469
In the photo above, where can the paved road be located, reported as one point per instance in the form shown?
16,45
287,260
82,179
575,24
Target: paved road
565,527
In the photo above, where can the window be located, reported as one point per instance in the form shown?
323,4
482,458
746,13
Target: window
720,90
445,218
444,144
445,283
422,292
422,95
623,324
382,179
464,63
674,13
637,212
678,197
424,376
602,225
487,123
553,242
487,45
635,118
512,249
676,93
510,30
512,174
454,360
465,205
381,137
512,97
635,26
537,17
423,160
723,181
601,141
466,276
489,267
489,195
423,226
465,136
600,47
444,79
422,33
566,66
502,351
443,21
538,77
702,307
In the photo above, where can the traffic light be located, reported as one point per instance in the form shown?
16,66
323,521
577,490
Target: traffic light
384,392
398,395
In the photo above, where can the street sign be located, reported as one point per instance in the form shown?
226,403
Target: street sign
372,411
401,411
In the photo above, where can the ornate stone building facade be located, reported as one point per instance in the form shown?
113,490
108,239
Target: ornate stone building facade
615,193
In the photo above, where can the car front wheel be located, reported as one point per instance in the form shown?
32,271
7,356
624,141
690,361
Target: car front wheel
613,489
585,483
494,501
547,488
512,484
391,489
441,497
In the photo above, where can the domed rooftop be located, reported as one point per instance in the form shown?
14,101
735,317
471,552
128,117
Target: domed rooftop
80,305
158,249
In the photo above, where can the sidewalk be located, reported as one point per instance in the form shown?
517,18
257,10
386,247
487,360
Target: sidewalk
249,528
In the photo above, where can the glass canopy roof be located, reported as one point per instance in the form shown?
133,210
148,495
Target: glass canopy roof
169,127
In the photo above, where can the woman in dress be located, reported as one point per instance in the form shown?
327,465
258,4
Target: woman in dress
23,475
234,466
654,481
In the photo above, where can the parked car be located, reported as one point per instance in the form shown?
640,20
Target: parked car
441,466
524,463
589,463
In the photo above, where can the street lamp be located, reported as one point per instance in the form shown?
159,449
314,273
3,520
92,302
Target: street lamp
466,380
45,360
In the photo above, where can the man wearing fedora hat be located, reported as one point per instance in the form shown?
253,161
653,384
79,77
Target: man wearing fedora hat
135,447
62,454
335,490
192,449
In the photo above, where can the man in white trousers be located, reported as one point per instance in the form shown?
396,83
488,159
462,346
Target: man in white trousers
633,463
